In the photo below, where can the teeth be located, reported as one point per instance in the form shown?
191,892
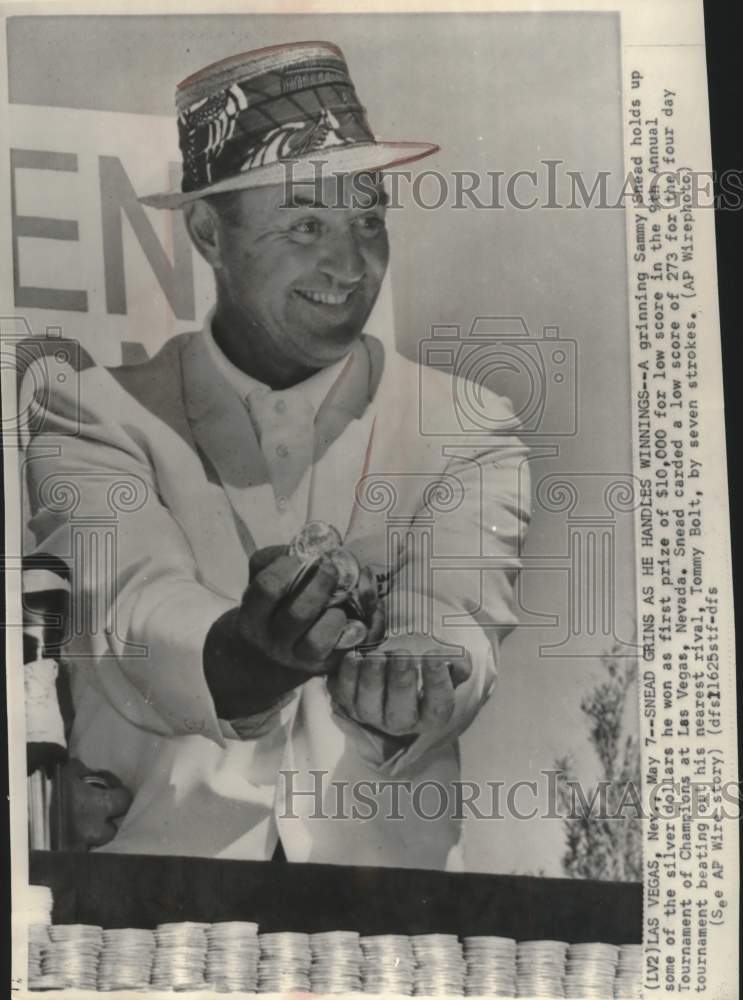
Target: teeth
325,298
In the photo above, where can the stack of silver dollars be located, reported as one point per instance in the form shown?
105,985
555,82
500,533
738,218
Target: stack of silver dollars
180,956
491,966
540,967
38,939
38,905
440,968
70,959
336,962
389,964
285,961
232,956
628,981
590,969
126,959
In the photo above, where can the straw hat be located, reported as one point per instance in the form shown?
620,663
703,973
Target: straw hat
246,121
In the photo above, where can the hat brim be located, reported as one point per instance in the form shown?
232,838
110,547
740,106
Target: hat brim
351,159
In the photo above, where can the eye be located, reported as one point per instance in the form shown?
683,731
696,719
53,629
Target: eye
371,225
306,230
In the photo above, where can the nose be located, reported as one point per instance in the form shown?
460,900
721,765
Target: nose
342,260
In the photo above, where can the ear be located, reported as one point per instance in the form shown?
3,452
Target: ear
205,232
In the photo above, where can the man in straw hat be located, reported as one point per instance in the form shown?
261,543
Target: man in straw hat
223,691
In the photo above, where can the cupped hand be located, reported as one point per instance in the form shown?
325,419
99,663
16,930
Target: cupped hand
400,690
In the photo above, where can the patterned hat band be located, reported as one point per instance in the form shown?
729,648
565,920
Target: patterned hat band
244,119
279,115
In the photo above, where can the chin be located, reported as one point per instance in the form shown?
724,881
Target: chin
329,356
327,348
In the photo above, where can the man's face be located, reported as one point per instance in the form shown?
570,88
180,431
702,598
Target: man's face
303,268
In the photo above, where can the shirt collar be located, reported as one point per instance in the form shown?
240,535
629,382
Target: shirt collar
314,389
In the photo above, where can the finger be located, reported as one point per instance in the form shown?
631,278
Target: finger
370,691
342,685
437,699
264,594
367,592
303,608
460,669
377,628
354,634
320,639
262,558
401,701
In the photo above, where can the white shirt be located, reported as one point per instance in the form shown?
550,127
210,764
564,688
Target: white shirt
284,424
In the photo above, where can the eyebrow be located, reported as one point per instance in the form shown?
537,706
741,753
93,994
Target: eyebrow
303,201
371,199
382,197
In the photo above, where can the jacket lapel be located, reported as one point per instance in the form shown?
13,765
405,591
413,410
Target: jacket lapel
224,432
188,478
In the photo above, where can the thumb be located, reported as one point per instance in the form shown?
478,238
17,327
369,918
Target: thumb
367,591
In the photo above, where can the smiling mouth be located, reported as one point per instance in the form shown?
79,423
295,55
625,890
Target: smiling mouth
324,298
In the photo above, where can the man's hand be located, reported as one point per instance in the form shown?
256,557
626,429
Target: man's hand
91,802
400,691
292,628
278,637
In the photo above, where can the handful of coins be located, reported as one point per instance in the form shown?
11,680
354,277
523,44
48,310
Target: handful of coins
318,543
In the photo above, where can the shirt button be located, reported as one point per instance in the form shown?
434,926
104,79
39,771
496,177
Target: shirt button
281,503
280,406
282,451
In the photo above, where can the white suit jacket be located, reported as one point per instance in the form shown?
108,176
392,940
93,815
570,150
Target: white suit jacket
149,481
